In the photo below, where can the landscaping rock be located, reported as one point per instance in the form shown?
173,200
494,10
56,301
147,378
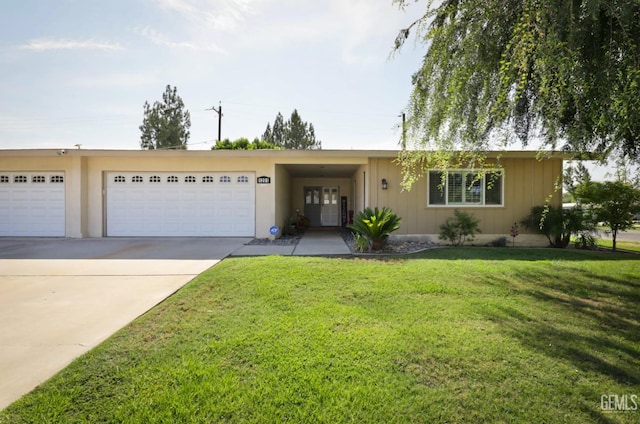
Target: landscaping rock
390,248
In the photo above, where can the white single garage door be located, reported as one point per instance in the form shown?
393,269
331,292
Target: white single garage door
196,204
32,204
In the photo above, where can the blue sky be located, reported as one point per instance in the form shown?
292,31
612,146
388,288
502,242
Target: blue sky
79,71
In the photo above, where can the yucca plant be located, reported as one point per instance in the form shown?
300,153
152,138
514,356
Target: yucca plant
375,225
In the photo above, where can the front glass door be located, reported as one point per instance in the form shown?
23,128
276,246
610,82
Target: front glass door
330,206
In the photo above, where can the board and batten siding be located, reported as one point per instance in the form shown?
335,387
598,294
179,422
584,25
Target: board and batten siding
527,182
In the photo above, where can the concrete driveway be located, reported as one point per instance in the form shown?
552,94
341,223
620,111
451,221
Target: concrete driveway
61,297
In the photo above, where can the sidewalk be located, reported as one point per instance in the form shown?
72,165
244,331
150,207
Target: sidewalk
321,242
315,242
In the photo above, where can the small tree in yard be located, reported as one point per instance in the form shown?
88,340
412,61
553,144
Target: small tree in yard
166,124
459,228
514,232
612,203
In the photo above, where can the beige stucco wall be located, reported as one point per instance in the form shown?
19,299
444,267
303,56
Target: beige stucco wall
282,186
527,182
51,161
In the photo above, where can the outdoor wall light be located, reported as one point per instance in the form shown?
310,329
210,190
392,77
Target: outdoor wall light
385,185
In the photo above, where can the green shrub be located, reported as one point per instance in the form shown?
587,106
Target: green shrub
585,240
289,227
303,222
362,244
459,228
375,225
558,224
499,242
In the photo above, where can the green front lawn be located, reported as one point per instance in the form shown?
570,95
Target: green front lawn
451,335
620,244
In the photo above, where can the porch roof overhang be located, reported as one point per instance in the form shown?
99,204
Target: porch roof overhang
321,170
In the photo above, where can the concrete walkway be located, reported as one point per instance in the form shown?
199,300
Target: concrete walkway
321,242
314,242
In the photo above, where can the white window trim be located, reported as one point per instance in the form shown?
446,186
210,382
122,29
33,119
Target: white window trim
465,205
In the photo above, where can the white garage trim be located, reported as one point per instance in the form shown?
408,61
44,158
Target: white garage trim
193,204
32,204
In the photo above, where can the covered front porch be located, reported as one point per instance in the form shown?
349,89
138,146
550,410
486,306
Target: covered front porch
323,193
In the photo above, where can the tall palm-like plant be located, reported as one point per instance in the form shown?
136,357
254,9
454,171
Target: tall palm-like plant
375,225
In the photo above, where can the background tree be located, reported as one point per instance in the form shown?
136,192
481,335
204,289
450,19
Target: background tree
267,135
292,134
612,203
278,131
564,73
166,124
242,144
573,176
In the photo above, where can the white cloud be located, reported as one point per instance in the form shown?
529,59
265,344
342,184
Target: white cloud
161,40
49,43
220,15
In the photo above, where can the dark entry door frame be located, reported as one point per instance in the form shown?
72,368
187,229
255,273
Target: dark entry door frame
313,205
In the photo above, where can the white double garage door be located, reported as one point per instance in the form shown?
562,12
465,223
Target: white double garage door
212,204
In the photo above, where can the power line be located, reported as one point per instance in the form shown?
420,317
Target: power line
321,111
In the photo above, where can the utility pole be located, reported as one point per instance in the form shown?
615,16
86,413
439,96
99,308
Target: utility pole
219,112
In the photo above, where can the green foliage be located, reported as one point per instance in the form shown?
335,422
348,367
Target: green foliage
613,203
562,72
573,176
585,240
289,228
415,163
499,242
292,134
460,227
166,124
362,243
558,224
303,222
243,144
375,225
